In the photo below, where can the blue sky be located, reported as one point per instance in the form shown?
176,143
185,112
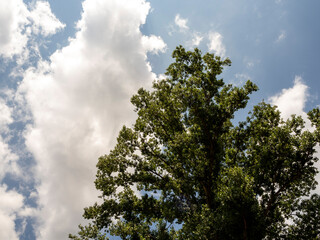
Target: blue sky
69,68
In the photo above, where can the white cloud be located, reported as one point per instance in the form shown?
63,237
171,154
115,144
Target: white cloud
13,18
196,40
281,36
193,38
250,64
44,21
79,101
18,23
215,44
11,203
153,44
8,160
241,78
292,100
5,115
181,22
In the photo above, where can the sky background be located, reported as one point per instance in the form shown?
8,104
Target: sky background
69,68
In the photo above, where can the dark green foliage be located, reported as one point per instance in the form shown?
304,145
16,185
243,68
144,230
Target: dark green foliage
307,221
184,171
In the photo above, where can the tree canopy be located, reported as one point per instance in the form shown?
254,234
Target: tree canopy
185,170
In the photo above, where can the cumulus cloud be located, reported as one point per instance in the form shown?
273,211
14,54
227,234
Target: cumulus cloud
79,100
292,100
43,20
153,44
8,160
11,203
5,115
215,44
18,24
13,18
181,22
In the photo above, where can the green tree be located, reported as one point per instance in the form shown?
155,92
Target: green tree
307,220
185,171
